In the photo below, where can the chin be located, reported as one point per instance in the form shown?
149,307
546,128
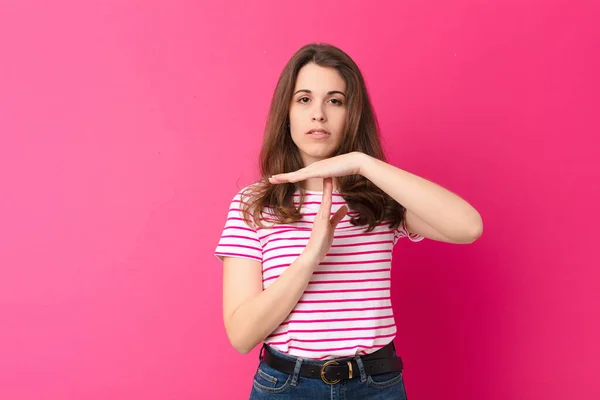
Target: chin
317,155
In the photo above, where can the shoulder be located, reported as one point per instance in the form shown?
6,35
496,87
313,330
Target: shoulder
250,189
248,193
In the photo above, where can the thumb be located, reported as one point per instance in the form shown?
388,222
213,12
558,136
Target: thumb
339,215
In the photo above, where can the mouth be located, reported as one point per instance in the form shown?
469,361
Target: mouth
318,132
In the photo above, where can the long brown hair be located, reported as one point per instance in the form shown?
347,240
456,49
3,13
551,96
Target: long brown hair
370,205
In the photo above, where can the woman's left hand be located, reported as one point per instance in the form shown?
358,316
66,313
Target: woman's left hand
342,165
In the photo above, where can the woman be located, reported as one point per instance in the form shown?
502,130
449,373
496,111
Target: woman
307,249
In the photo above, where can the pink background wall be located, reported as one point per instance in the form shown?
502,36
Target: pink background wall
128,126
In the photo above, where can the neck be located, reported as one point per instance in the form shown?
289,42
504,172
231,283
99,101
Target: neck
315,184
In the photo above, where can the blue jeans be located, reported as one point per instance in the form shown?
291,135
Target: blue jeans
270,383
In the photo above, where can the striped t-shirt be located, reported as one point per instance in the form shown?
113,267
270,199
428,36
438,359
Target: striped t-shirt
346,308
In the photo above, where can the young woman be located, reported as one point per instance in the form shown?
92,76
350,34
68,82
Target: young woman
307,249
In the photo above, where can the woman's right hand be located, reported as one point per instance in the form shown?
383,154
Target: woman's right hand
324,225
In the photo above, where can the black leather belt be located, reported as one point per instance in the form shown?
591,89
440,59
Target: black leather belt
333,371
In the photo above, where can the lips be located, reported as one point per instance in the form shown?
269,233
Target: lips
318,132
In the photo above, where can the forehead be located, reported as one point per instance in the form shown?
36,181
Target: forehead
316,78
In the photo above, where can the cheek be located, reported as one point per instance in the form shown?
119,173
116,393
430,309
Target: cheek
340,120
295,114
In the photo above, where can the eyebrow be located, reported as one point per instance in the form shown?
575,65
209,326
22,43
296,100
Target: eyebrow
330,92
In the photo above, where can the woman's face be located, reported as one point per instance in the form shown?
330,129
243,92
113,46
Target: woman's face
318,112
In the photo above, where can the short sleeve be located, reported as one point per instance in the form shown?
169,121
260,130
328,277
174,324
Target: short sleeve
238,239
401,232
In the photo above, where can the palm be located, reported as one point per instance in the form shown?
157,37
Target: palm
342,165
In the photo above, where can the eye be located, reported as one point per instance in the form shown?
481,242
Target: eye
336,102
300,100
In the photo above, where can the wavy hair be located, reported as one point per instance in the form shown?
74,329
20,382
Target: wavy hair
279,154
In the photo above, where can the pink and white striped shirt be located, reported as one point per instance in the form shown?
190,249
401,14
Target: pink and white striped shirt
346,308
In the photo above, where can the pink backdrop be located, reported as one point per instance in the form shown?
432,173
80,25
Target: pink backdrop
128,126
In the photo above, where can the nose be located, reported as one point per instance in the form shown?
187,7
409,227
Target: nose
318,114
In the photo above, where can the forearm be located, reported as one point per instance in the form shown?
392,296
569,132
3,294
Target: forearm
255,319
440,208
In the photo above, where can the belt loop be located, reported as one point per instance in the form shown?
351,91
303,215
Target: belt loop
296,372
361,368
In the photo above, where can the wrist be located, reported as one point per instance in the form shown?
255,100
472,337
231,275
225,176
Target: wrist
364,164
309,257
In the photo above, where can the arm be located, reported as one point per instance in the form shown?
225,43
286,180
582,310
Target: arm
431,210
251,314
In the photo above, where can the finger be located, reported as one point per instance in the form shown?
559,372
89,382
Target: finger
325,209
279,178
302,174
287,177
339,215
